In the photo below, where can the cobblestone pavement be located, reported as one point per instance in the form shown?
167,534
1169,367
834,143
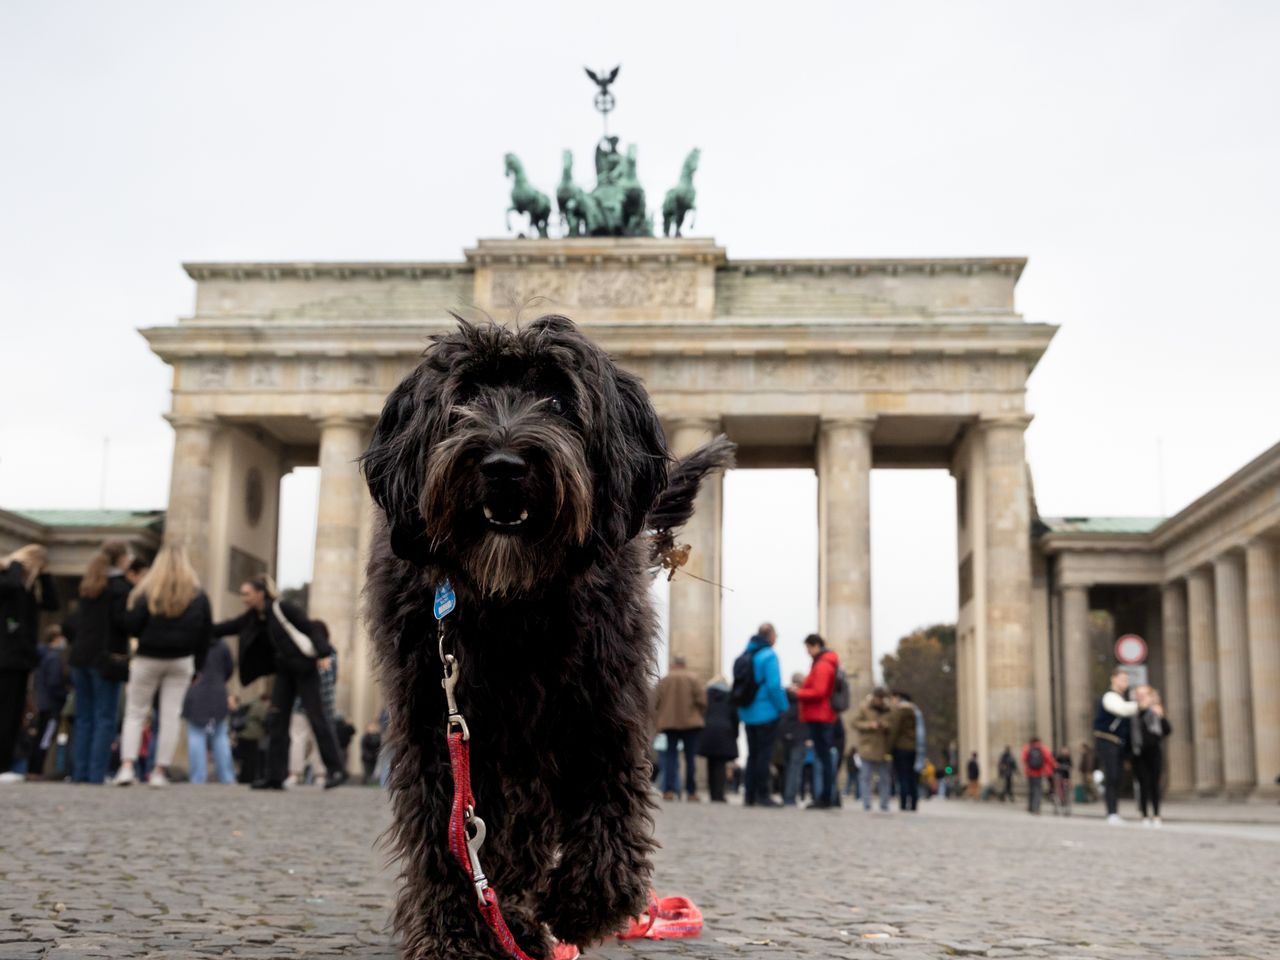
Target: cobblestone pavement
222,872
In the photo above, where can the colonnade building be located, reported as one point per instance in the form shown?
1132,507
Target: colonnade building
838,366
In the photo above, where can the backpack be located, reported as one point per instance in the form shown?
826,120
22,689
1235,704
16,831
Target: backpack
745,686
1035,759
840,692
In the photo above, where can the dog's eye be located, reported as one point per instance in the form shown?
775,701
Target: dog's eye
555,405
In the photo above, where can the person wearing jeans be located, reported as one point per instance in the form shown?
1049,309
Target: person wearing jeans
210,737
99,659
873,723
206,709
680,708
97,705
817,714
760,716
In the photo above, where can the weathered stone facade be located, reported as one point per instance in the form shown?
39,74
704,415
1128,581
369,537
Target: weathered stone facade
1202,588
831,365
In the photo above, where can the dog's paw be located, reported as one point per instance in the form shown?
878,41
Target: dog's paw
584,908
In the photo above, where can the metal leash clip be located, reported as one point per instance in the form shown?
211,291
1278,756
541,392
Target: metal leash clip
475,840
456,721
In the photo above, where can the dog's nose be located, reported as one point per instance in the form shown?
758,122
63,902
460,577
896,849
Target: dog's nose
503,465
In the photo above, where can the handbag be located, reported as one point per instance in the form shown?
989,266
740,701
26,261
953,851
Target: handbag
300,639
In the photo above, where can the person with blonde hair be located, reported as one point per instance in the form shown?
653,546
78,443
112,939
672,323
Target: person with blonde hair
99,659
26,588
1149,731
171,617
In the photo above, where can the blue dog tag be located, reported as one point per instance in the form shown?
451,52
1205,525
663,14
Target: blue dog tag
445,600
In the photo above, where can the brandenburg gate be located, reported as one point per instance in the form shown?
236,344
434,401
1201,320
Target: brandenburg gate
834,365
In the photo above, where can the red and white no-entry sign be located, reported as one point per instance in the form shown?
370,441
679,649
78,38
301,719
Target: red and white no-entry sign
1131,650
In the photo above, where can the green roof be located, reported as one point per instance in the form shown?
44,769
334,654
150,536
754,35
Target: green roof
142,519
1101,524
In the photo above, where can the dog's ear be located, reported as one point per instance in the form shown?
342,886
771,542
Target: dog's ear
395,472
637,469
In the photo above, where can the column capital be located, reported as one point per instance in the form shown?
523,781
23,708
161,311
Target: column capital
1018,421
184,421
712,424
339,420
1262,541
865,423
1232,556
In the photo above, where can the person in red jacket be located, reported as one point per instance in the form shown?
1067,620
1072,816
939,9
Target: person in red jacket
815,710
1037,766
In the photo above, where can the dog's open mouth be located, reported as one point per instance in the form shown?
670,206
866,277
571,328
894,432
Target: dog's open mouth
505,518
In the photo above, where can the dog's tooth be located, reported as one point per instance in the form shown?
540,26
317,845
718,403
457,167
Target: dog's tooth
524,515
488,514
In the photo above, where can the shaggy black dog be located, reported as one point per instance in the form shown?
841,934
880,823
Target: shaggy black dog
531,472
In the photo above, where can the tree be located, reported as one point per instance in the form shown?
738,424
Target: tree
925,667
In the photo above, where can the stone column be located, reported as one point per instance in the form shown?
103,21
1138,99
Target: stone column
1010,689
337,565
1205,722
364,694
1233,674
191,489
1179,757
694,611
1077,693
844,546
1264,658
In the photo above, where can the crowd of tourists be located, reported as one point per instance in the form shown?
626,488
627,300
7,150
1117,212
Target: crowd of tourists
1126,732
798,742
105,695
797,746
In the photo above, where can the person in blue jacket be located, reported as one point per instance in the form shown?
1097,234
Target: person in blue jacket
760,717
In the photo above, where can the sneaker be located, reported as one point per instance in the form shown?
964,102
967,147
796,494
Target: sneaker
1146,823
10,777
290,781
1157,823
336,779
668,795
1113,820
693,798
157,778
265,784
124,776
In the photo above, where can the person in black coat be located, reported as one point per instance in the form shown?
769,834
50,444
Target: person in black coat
277,638
1147,738
171,617
719,740
99,660
26,588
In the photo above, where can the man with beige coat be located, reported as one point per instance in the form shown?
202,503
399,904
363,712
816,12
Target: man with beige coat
874,723
679,710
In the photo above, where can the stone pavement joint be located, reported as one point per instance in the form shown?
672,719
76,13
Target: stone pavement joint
215,872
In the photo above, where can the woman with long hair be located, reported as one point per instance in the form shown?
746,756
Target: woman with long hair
1149,731
276,637
26,588
99,659
170,616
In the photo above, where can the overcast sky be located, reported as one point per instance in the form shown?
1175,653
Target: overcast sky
1129,150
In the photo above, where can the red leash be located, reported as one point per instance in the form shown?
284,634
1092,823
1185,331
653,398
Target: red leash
669,917
466,830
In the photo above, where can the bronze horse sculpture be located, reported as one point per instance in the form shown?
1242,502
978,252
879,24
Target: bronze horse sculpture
680,199
526,198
